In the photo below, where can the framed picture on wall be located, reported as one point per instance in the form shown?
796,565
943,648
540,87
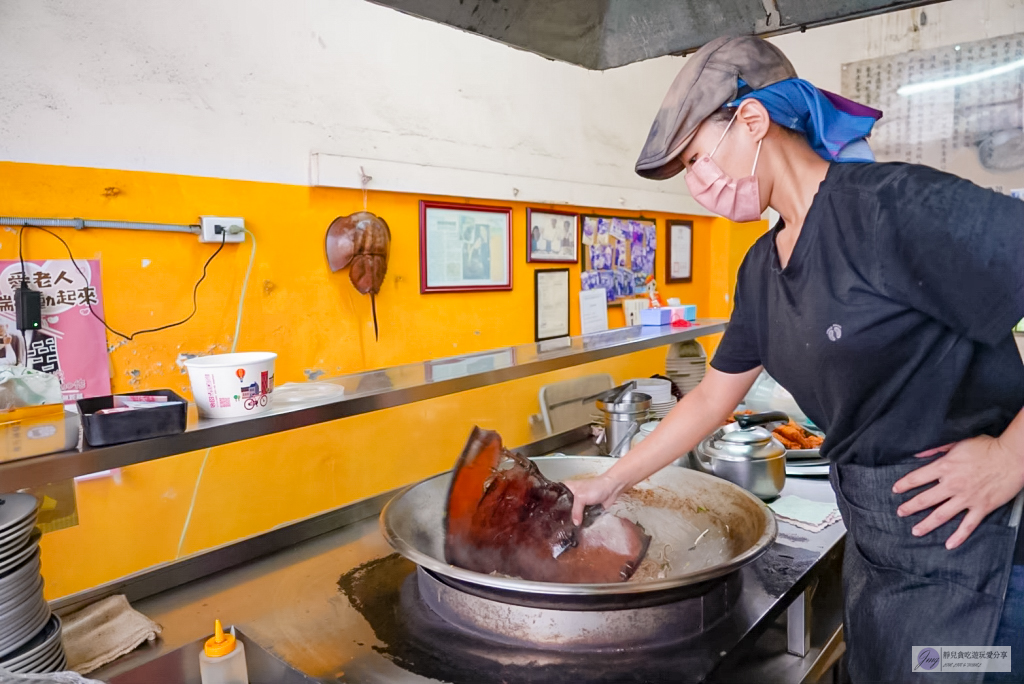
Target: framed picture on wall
618,255
552,236
465,248
551,303
679,252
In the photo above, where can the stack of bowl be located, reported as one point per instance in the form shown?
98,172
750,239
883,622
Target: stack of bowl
30,637
686,365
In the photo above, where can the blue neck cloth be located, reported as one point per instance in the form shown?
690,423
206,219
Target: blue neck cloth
836,128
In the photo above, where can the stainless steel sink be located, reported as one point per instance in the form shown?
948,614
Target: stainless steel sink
181,666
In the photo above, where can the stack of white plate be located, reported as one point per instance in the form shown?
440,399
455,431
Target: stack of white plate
29,635
686,365
660,391
659,411
810,467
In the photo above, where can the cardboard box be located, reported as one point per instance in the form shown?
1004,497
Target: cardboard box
656,317
686,312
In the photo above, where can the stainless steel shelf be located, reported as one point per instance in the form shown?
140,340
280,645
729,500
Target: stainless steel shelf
363,393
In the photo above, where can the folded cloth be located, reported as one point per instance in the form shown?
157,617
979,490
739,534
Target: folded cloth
104,631
836,128
813,516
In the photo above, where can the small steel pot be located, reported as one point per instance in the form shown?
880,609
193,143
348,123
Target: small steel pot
628,403
622,417
747,454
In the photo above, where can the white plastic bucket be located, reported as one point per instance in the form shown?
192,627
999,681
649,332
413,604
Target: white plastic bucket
231,385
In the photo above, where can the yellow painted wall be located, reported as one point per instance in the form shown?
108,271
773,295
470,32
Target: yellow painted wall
729,244
316,322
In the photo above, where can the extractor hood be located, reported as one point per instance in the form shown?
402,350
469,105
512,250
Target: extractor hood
601,34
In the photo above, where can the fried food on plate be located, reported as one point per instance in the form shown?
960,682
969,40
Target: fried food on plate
793,436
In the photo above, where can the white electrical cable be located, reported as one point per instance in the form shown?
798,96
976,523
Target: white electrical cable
192,505
245,284
234,346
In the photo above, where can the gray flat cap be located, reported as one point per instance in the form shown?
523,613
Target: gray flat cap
706,83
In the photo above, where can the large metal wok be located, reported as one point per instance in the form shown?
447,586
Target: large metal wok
670,504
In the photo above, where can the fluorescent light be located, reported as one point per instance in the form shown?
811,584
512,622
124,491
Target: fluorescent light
959,80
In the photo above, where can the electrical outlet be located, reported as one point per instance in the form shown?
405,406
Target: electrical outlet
214,226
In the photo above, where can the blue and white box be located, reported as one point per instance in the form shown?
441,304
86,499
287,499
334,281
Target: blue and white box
656,317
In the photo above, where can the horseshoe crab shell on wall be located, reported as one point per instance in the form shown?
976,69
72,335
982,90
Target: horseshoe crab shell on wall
362,240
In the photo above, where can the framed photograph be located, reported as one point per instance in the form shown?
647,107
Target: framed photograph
551,303
552,236
465,248
619,255
679,254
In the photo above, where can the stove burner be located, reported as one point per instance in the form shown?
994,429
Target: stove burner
388,594
578,629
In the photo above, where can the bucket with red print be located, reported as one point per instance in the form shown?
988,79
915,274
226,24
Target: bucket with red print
232,385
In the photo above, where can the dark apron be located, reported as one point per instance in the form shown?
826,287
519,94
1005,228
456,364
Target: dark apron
903,591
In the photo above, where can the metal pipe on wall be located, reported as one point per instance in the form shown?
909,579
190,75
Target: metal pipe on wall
79,224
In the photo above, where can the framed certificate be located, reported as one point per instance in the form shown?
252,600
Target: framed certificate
679,254
551,303
465,248
552,236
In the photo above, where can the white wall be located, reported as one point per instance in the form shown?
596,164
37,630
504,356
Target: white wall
250,88
819,54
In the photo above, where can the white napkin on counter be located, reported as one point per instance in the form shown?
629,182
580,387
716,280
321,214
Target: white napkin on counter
813,516
103,632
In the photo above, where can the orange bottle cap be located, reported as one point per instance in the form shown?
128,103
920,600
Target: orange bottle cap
221,643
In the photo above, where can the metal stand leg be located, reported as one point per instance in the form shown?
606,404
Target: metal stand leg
798,625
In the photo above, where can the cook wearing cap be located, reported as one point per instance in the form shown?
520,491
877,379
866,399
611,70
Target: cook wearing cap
883,300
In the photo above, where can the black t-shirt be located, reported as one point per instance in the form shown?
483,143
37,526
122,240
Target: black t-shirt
891,323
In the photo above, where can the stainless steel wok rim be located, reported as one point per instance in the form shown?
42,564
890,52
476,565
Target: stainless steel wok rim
399,544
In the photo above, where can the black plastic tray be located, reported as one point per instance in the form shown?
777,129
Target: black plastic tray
130,426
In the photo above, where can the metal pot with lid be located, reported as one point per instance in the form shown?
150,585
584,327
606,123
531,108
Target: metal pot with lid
747,453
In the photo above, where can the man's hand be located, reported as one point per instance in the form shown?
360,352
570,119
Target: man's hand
977,475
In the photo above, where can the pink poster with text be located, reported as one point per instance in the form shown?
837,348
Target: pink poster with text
71,343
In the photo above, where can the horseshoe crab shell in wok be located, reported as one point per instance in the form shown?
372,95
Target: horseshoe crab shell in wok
412,523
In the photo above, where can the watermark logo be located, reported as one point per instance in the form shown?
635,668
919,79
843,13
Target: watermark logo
927,659
960,659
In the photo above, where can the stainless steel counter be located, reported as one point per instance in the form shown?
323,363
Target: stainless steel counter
291,603
362,393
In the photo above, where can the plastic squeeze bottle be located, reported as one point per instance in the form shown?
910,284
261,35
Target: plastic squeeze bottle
223,659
